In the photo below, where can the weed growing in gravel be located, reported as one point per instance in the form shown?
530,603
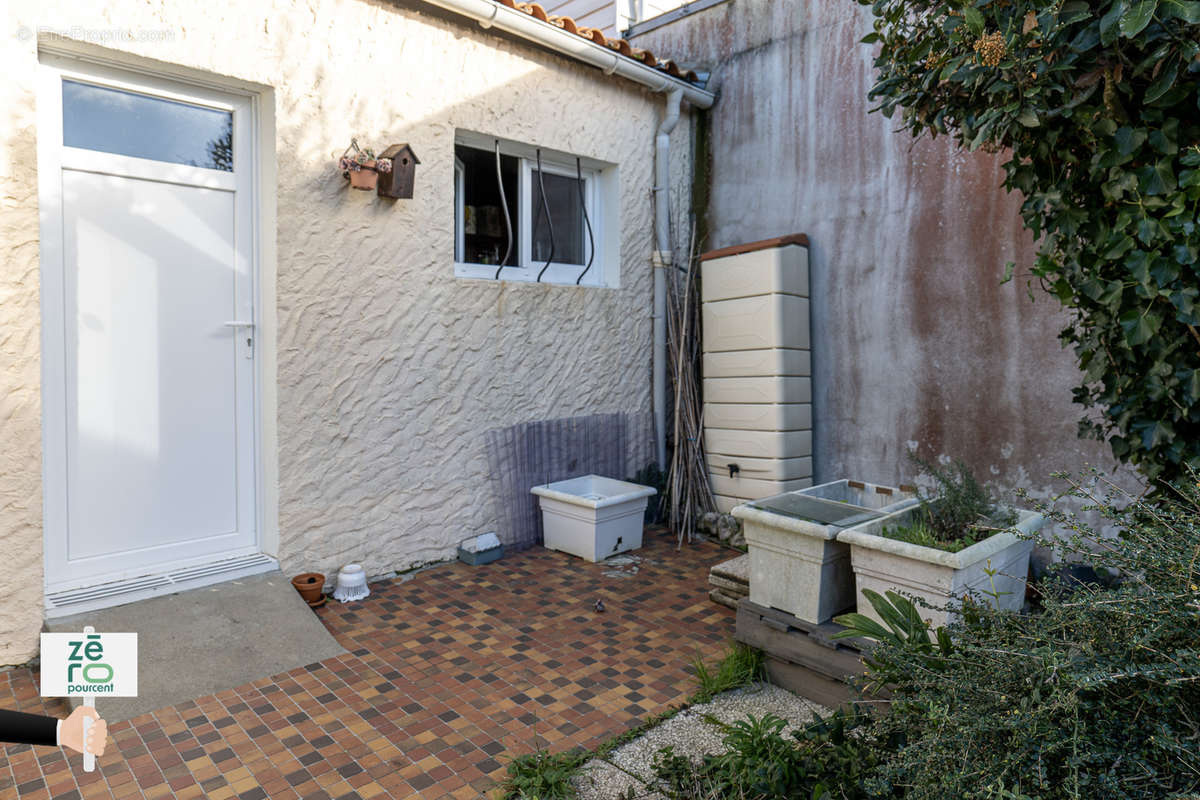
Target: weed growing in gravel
825,759
741,665
542,775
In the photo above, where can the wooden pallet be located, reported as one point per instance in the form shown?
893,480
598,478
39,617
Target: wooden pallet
802,657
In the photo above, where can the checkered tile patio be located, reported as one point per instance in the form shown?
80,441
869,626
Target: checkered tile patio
447,674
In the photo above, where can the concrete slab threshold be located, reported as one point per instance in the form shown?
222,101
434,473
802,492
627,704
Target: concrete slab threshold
206,640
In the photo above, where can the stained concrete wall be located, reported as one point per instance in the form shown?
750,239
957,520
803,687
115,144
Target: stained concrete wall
915,342
389,369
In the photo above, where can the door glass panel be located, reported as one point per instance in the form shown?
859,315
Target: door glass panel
131,124
566,213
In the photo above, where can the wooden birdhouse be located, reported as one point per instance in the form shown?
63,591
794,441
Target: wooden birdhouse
398,182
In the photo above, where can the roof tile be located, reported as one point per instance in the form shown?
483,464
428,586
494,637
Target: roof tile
534,10
566,23
594,34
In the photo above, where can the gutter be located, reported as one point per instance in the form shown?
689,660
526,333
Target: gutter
662,259
511,20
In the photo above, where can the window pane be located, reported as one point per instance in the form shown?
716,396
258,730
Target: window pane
486,235
566,213
130,124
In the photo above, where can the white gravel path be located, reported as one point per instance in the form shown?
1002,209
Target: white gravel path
691,735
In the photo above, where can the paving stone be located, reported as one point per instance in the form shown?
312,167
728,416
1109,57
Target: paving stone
432,662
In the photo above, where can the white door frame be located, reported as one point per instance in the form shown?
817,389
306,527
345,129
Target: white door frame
252,106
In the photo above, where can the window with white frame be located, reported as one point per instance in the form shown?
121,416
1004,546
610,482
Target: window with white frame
523,213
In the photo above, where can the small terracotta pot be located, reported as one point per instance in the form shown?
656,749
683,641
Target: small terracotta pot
366,177
309,585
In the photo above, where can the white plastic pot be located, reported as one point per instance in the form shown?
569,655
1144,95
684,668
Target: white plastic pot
593,517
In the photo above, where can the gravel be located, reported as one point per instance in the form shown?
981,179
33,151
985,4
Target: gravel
691,735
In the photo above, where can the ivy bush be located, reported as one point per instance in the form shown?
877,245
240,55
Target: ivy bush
1095,105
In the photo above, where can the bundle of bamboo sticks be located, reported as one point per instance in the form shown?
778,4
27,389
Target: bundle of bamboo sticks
688,491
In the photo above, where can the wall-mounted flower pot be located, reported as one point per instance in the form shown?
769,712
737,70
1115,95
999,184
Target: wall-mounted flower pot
365,177
797,564
938,577
309,585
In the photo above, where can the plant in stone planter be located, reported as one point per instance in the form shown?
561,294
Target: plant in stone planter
956,542
959,514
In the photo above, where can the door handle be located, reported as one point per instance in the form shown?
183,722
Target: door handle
241,323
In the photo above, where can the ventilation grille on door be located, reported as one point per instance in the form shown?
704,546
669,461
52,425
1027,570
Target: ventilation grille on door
141,585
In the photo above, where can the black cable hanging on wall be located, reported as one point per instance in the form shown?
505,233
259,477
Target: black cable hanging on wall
507,219
586,221
549,222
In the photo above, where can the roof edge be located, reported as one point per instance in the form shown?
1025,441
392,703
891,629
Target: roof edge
504,14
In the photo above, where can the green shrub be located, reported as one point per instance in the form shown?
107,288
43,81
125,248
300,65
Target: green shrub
1096,696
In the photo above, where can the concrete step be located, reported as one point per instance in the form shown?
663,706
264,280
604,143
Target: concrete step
203,641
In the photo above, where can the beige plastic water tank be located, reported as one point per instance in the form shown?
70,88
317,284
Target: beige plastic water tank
757,369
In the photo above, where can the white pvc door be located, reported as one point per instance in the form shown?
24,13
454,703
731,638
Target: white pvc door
149,350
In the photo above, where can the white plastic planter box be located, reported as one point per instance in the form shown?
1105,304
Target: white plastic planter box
936,576
797,564
593,517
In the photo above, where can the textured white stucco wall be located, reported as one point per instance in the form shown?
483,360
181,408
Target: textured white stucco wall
20,363
389,368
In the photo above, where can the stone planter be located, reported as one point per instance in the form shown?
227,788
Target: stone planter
593,517
936,576
797,564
